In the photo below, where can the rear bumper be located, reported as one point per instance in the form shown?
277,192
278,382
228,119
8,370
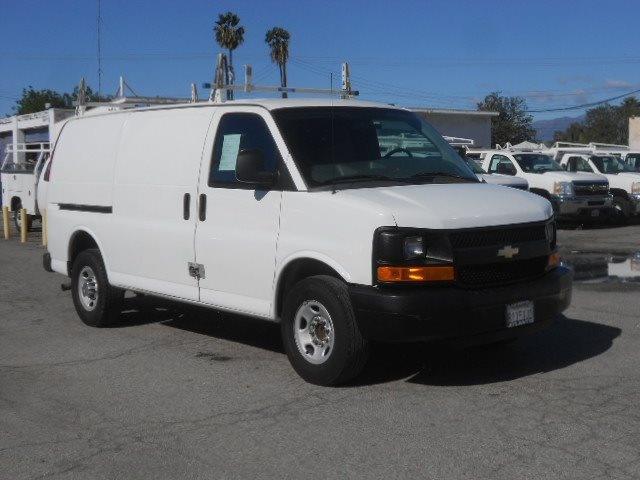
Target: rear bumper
478,315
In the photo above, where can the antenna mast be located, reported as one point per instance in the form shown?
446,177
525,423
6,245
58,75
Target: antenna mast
99,52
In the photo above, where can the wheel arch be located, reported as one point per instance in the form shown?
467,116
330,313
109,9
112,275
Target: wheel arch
619,192
14,202
83,239
299,267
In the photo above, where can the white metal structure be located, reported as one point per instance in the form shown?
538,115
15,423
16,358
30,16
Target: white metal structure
574,195
23,160
293,211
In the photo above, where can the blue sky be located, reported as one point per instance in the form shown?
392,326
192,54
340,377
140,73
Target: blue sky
443,54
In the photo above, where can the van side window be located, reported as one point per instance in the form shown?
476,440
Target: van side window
236,132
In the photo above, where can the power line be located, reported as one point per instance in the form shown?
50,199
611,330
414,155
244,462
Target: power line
585,105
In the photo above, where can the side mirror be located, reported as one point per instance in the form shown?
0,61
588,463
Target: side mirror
250,168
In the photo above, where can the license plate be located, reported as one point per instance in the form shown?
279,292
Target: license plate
595,213
520,313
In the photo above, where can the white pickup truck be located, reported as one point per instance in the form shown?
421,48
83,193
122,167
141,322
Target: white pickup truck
344,221
575,196
19,174
460,145
624,182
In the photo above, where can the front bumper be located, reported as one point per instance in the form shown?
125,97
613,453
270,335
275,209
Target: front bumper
581,207
447,312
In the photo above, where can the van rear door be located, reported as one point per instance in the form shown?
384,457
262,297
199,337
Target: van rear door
154,200
238,228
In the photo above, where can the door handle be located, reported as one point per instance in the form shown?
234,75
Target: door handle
202,209
186,206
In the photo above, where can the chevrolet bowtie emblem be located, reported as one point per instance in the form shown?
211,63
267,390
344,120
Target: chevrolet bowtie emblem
508,251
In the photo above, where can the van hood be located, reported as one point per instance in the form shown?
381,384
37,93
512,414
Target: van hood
623,180
505,180
451,206
572,176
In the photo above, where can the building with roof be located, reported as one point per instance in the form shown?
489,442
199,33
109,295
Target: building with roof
472,124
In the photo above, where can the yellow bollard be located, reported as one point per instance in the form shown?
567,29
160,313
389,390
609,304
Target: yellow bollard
5,223
23,225
44,228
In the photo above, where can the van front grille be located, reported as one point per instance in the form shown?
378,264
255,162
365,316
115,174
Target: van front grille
500,273
497,237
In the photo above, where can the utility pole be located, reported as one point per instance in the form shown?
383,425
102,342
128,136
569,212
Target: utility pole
99,52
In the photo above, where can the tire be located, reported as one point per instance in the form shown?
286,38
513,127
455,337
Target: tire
318,319
621,210
98,304
16,218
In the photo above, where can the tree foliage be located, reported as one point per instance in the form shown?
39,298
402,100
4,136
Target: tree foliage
604,123
513,123
33,100
278,40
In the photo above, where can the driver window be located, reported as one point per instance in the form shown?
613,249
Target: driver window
501,164
579,164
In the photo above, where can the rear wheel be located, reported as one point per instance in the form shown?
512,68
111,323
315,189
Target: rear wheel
320,333
98,304
17,218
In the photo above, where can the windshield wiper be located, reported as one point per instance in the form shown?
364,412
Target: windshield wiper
354,178
442,174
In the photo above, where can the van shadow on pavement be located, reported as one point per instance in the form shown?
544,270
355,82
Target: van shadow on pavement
566,342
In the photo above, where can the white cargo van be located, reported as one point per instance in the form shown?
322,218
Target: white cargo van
290,211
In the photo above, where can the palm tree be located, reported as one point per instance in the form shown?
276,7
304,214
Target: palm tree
230,35
278,40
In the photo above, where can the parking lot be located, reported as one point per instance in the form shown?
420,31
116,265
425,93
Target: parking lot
179,392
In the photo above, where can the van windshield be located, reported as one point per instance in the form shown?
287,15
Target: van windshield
357,145
536,163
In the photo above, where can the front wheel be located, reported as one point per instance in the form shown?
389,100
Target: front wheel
621,210
320,333
97,303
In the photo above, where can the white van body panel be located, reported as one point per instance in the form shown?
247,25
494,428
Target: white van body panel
237,241
158,161
504,180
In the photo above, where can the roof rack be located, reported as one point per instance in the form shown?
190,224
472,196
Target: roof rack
220,86
218,94
459,141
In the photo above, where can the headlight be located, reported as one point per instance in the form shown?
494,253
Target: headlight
413,247
635,188
406,255
563,188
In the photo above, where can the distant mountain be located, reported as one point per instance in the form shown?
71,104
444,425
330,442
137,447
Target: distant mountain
546,128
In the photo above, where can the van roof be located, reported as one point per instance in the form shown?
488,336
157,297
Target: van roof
267,103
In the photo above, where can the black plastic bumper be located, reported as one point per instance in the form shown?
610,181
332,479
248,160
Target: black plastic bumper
478,315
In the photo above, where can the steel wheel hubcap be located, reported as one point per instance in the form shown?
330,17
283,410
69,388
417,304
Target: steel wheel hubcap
88,288
313,332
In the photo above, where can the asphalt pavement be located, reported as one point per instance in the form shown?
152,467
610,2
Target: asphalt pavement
180,392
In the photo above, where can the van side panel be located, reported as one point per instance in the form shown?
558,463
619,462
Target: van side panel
81,180
158,163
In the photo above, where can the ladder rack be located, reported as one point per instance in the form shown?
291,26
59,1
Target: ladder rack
218,90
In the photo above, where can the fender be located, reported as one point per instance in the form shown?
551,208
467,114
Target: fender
82,228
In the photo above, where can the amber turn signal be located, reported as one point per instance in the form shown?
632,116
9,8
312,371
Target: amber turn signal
554,261
416,274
